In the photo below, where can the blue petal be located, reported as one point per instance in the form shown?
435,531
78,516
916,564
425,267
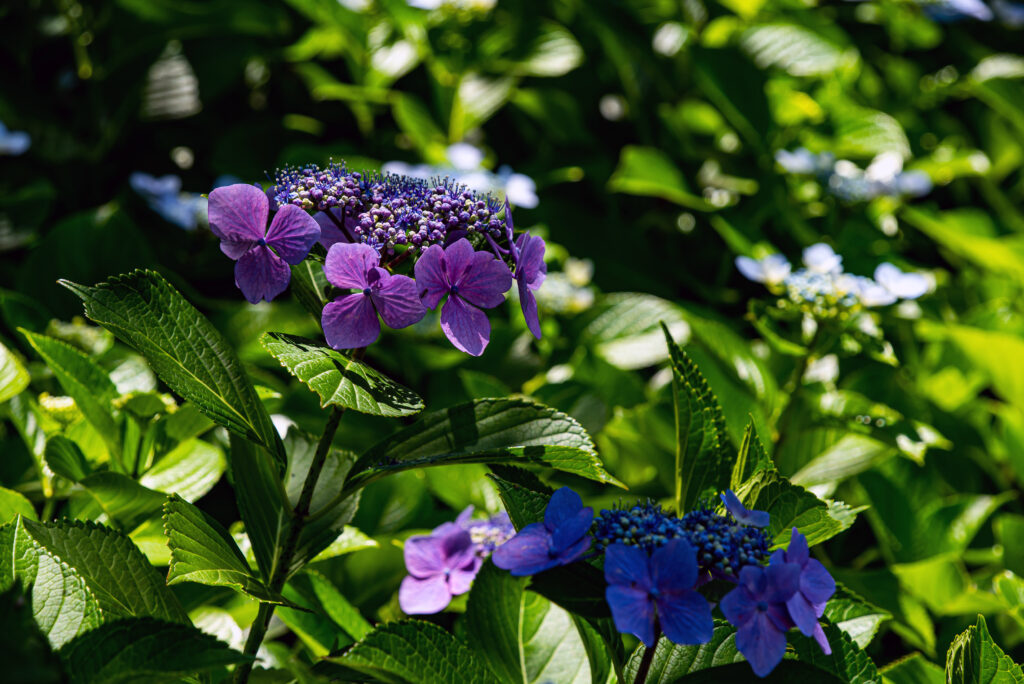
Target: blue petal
761,644
572,530
797,552
632,611
563,505
815,582
741,513
782,581
526,553
674,566
626,565
685,617
738,606
802,613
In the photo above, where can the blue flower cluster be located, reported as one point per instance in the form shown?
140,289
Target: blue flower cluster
386,210
884,177
655,564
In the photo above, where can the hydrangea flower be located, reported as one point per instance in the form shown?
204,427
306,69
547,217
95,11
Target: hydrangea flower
884,177
531,271
487,534
350,321
900,284
742,514
645,590
757,608
164,196
771,270
13,143
816,587
238,216
441,565
561,539
645,526
471,281
821,258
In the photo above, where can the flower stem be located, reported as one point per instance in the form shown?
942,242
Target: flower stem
300,514
645,664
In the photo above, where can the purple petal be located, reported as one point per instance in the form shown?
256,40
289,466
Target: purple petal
395,298
797,552
261,274
674,566
572,530
819,636
627,565
350,322
424,596
458,547
779,616
564,504
738,606
531,268
424,556
782,581
292,233
460,579
573,553
526,553
632,611
431,276
347,264
465,517
486,281
458,259
741,513
685,617
801,612
238,216
528,303
466,326
815,582
753,578
330,234
761,644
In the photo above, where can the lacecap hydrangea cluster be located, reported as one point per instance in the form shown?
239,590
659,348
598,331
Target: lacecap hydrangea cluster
655,565
396,247
884,176
824,290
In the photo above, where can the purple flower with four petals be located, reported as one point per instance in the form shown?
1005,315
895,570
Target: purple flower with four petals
472,281
561,539
757,609
441,565
816,588
238,216
350,321
657,589
743,515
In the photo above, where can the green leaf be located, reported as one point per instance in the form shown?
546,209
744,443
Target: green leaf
415,652
189,470
798,50
525,497
328,621
647,171
848,663
704,457
124,500
13,504
85,382
13,376
260,501
349,541
522,636
24,650
485,431
310,285
65,458
340,380
750,458
672,662
914,669
144,650
554,52
974,658
625,328
853,615
183,348
202,551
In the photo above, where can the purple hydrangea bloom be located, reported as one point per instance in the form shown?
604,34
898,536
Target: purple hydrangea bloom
561,539
643,590
487,534
238,216
350,321
816,588
441,565
742,514
757,609
472,281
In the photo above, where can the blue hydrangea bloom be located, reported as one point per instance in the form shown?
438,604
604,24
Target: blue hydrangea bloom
757,609
561,539
645,590
13,143
724,546
645,525
816,587
164,196
742,514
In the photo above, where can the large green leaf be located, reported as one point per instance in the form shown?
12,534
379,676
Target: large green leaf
329,621
189,470
672,662
848,663
625,328
704,457
261,501
340,380
525,497
85,382
182,346
125,502
65,458
649,172
13,504
202,551
146,651
485,431
796,49
855,616
914,669
524,638
310,285
13,376
415,652
974,658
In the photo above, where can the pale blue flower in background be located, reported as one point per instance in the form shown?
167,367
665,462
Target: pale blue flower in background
900,284
13,143
164,196
771,270
821,258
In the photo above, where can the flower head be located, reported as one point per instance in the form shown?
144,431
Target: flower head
350,321
487,534
757,609
724,545
658,588
561,539
471,281
771,270
645,525
441,565
238,216
816,587
742,514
